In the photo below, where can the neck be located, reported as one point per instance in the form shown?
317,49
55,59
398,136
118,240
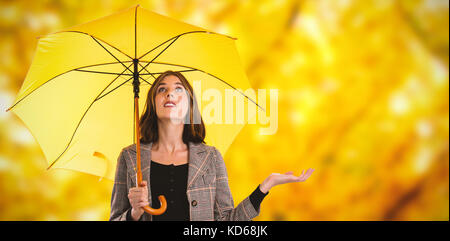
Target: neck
170,136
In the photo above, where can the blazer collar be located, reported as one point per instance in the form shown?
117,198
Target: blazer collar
198,157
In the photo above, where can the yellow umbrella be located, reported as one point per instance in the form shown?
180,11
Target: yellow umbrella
76,97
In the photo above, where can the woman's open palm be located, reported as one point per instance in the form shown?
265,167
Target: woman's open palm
288,177
278,178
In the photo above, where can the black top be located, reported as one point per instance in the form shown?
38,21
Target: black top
171,181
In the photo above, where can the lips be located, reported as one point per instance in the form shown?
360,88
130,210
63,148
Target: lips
169,104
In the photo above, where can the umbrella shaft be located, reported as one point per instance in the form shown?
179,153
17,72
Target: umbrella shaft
136,117
136,78
138,149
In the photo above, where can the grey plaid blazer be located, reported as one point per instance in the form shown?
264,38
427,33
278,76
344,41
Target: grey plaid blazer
207,185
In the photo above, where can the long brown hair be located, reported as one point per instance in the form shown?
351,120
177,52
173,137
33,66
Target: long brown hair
194,128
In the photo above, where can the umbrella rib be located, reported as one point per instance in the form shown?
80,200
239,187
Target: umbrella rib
177,36
112,54
159,54
99,72
76,31
92,65
148,72
56,77
119,86
188,70
143,67
192,68
144,80
113,89
37,88
70,141
233,88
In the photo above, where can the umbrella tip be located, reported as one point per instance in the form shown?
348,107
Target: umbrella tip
222,34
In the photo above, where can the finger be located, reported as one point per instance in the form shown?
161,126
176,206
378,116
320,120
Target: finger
289,173
133,198
307,171
136,190
139,189
143,183
303,176
308,174
134,193
143,204
137,194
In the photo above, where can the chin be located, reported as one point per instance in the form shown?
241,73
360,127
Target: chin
170,119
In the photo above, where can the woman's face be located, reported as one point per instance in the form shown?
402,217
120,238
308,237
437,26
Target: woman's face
171,99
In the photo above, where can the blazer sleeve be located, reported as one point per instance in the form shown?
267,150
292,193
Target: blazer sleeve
224,205
120,205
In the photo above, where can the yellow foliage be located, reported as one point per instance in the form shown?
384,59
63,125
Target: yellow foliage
363,99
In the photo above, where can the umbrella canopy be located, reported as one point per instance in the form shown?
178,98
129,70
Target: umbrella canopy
77,99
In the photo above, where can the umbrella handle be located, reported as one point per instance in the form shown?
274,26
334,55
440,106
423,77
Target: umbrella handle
159,211
162,199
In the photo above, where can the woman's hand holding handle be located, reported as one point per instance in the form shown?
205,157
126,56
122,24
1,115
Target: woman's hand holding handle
138,197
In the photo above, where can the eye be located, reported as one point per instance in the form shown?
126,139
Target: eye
162,88
179,89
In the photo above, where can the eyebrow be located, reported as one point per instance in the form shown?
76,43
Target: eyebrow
162,83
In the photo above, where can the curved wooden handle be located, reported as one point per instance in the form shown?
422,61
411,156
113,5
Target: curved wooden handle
159,211
162,199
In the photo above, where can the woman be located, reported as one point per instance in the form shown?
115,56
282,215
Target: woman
177,163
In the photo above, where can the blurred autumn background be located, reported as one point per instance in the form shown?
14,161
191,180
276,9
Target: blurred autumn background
363,99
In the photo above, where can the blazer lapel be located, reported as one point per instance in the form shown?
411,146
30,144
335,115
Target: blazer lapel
198,156
145,162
